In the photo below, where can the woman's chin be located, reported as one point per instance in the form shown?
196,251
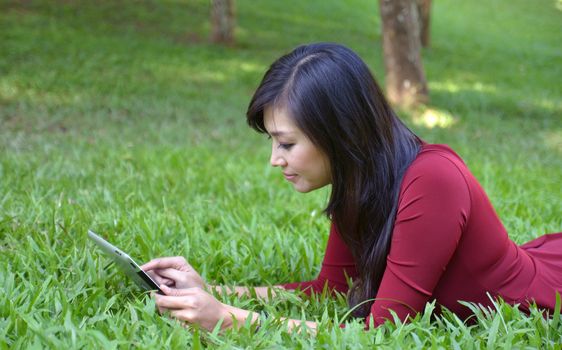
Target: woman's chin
301,188
305,188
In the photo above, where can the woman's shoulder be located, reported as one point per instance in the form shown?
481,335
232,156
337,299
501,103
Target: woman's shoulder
436,158
436,164
430,151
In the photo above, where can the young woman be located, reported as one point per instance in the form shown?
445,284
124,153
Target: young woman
410,223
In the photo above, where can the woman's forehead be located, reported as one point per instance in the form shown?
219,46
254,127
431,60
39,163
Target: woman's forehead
278,121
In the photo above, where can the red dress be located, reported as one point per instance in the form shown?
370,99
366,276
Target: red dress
448,245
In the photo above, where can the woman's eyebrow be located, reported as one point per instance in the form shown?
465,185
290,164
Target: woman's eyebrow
279,133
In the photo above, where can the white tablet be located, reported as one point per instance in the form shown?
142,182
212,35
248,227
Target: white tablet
125,263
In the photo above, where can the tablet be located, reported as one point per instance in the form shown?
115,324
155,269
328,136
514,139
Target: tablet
125,263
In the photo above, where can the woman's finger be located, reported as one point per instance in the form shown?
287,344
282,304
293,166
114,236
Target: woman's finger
157,278
177,262
179,292
172,274
161,263
174,302
184,315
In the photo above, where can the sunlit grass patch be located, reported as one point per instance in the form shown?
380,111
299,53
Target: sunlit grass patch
432,118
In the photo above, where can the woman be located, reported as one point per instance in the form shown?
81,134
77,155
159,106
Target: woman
410,224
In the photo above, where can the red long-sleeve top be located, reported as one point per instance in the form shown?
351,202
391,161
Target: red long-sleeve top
448,245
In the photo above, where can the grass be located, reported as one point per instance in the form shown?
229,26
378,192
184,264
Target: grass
120,117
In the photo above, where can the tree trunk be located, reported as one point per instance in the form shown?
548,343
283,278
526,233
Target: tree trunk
424,9
223,21
405,78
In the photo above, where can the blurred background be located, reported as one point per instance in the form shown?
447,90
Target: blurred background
106,79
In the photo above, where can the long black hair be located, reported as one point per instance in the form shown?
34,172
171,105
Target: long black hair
332,97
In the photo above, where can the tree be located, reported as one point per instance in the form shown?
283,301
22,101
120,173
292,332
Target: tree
424,9
405,78
223,21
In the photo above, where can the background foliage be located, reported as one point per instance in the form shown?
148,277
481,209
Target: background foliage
120,117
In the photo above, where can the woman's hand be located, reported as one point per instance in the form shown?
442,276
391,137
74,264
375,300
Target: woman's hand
194,306
174,272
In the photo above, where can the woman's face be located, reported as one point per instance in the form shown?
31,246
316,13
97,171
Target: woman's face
302,163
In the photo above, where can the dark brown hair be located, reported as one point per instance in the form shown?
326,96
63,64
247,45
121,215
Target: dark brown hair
332,97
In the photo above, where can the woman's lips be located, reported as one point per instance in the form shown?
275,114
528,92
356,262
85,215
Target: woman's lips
290,177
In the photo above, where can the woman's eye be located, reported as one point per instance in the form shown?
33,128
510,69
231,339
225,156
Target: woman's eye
286,146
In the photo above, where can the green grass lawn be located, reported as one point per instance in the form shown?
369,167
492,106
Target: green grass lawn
120,117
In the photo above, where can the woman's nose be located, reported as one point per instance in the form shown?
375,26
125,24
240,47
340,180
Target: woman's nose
277,160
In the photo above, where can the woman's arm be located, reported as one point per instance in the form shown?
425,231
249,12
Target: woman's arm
177,273
196,306
337,267
261,292
241,316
